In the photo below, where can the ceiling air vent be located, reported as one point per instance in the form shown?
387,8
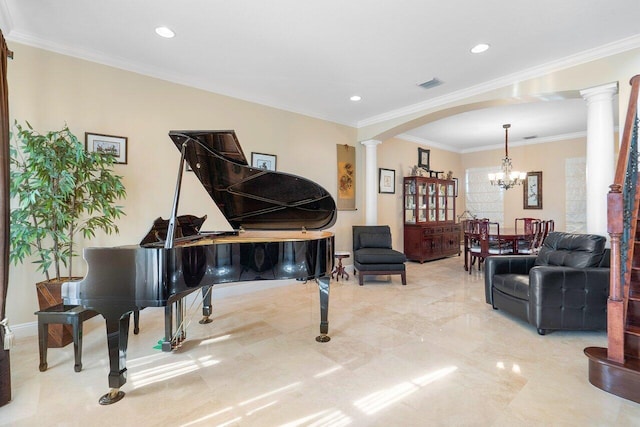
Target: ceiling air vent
430,83
530,137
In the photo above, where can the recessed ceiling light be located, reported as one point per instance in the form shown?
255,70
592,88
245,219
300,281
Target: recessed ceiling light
479,48
355,98
165,32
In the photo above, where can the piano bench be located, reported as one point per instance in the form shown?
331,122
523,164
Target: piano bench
72,315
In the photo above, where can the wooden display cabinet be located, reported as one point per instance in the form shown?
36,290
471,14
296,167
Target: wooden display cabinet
430,231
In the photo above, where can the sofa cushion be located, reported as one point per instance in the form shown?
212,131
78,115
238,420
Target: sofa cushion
375,240
378,256
572,250
516,285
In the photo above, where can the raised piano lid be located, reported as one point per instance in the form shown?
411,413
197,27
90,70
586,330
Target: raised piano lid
249,197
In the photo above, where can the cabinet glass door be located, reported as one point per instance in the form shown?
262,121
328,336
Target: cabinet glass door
442,202
410,202
451,202
422,202
432,205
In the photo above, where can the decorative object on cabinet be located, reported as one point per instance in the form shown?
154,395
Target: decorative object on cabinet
416,171
387,181
263,161
429,207
107,144
532,191
346,158
423,158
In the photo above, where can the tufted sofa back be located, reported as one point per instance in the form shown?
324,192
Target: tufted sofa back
573,250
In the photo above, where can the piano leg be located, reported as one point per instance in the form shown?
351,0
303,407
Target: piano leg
117,339
168,327
323,285
206,305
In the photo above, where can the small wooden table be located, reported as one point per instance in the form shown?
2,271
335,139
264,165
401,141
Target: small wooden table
340,271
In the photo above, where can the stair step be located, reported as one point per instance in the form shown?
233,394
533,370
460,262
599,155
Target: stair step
621,379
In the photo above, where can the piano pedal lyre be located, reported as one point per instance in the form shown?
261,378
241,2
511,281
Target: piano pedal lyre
173,340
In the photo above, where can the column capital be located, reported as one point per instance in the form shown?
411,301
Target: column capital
370,142
606,91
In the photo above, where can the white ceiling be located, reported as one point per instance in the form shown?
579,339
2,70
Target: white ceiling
310,57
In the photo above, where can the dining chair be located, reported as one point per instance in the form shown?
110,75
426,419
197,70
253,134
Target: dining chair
531,243
525,224
547,227
489,242
471,229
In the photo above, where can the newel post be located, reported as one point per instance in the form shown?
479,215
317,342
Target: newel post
615,303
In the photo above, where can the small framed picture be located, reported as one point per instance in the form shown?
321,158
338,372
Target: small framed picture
423,158
387,181
263,161
532,191
115,146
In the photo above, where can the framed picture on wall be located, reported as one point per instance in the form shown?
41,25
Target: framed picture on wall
112,145
263,161
423,158
387,181
532,191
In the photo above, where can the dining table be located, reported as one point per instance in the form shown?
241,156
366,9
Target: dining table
508,234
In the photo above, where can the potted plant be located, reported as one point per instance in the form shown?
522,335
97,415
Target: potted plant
61,190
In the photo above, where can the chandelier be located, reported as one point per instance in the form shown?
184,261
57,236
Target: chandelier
506,178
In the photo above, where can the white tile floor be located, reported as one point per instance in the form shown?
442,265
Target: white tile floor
431,353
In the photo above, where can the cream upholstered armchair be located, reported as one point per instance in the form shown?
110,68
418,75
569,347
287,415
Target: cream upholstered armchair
373,255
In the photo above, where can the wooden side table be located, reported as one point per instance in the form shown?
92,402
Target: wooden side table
339,270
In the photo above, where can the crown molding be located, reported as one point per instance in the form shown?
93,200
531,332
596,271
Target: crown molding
516,143
609,49
6,22
126,65
603,51
426,142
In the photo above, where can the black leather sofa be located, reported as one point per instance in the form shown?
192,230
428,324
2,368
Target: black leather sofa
565,286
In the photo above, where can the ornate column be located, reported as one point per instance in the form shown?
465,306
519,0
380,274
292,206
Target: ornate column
370,181
600,154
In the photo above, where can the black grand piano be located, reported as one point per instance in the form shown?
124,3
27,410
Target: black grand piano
277,220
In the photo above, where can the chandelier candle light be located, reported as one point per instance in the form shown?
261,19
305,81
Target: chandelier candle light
507,178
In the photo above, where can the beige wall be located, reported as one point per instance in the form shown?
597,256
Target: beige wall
549,158
49,89
402,155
